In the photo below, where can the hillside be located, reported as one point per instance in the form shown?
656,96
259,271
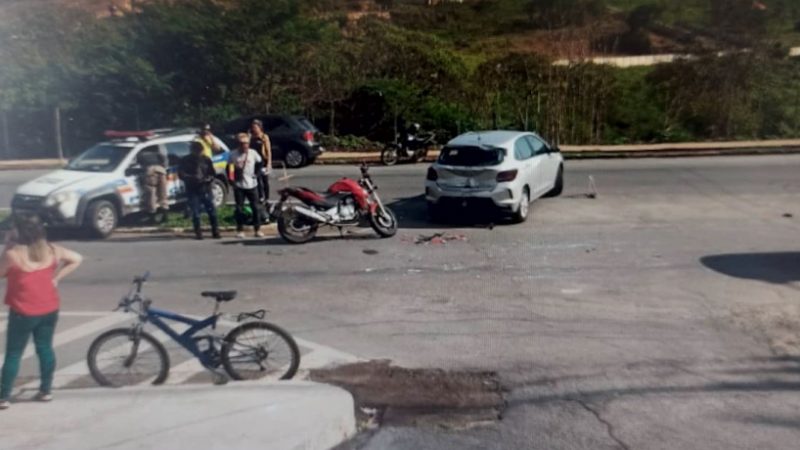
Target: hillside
570,28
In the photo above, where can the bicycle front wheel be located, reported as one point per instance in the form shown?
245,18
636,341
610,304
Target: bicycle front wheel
125,357
258,350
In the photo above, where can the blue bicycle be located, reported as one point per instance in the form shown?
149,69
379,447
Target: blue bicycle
130,356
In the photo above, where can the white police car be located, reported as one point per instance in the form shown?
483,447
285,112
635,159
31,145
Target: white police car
102,185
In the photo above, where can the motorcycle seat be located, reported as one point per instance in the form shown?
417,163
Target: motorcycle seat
330,200
319,199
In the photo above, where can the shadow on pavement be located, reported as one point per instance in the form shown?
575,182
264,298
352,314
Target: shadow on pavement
412,212
776,267
778,374
362,234
770,421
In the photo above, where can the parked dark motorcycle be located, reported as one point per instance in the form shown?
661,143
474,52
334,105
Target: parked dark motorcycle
411,145
301,211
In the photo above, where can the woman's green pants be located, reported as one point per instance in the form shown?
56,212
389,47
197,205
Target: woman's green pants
20,328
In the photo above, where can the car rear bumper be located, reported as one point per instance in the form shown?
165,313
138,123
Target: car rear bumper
502,196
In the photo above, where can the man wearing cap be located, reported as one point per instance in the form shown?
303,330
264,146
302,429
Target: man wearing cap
206,139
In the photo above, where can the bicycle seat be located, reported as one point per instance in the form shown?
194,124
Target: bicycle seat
220,296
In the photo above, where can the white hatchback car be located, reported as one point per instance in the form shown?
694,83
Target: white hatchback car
505,169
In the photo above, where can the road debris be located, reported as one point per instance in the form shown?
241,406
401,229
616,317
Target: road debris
439,238
370,251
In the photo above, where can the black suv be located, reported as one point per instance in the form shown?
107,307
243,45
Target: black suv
293,138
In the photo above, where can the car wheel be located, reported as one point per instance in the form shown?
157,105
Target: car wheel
102,218
219,193
558,186
295,158
523,209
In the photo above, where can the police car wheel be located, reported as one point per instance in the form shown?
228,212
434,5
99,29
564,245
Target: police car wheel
218,193
102,218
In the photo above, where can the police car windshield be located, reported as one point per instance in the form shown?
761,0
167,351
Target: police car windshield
100,158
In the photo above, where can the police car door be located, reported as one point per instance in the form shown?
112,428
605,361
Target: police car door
131,191
175,151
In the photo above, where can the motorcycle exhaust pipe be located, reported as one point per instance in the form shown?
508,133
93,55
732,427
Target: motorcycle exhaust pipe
311,214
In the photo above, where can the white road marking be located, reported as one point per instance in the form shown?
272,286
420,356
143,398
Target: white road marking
78,332
318,356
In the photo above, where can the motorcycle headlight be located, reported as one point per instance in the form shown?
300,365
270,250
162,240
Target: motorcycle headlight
60,197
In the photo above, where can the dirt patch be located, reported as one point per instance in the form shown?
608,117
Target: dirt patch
777,325
386,394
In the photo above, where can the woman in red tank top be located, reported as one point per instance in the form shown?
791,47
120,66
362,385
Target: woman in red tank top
33,268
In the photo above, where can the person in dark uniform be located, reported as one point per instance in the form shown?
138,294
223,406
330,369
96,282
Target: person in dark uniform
197,173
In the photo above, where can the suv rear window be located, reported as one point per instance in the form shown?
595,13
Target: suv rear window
471,156
307,125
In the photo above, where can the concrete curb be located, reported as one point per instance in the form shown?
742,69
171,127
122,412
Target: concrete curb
672,150
278,415
669,150
268,230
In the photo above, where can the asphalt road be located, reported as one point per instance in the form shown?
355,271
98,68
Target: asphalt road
662,314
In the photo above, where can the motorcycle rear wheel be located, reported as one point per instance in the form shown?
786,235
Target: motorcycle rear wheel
295,230
390,156
384,222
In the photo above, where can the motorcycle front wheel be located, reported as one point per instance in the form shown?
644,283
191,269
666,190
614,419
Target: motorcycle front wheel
383,222
389,156
295,229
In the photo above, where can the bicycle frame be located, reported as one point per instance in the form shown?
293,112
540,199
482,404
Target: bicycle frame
185,339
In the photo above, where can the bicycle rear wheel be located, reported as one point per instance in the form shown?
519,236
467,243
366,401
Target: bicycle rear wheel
125,357
258,350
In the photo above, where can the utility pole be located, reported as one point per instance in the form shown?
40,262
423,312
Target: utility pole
59,148
4,124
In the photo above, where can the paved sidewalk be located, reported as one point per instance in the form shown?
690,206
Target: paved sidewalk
237,416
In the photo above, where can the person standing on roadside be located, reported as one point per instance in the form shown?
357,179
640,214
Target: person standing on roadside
244,166
154,180
197,173
259,141
206,139
33,268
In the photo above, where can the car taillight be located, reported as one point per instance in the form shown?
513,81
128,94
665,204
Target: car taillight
308,136
432,174
506,176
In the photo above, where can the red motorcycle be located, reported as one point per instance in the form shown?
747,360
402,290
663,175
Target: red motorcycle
344,204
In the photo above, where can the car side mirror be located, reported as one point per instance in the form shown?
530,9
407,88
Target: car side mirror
133,170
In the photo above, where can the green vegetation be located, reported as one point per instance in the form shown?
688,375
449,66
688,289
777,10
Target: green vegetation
452,67
179,220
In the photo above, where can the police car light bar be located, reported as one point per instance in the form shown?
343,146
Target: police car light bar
114,134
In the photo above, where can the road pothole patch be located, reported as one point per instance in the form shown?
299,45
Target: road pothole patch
390,395
777,325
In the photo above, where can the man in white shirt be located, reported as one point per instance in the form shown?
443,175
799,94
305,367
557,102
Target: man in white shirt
244,165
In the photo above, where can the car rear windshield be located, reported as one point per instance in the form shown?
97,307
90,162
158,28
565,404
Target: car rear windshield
471,156
100,158
307,125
